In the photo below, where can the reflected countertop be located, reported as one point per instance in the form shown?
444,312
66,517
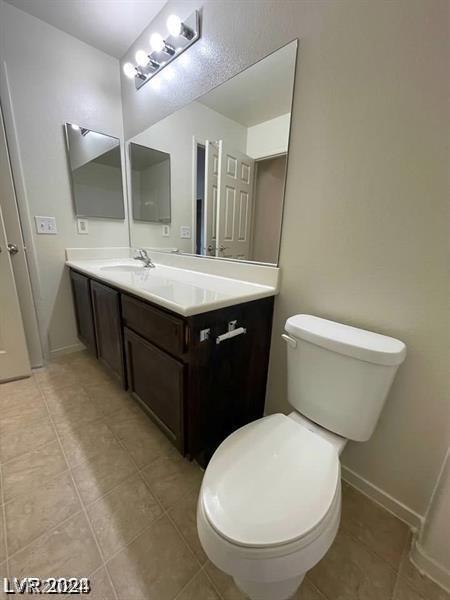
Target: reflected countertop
180,290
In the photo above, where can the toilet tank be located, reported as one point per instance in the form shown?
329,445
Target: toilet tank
338,375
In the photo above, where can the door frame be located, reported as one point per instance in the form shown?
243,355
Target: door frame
23,212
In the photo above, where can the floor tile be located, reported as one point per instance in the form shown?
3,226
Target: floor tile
2,538
68,550
184,515
369,523
101,588
422,585
172,478
109,397
55,375
23,434
143,440
24,474
120,515
15,406
199,588
21,386
101,472
224,583
29,516
71,405
307,591
352,572
84,440
156,566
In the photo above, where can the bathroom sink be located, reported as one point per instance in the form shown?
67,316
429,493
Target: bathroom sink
123,268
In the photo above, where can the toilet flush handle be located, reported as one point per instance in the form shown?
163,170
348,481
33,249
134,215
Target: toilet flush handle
289,340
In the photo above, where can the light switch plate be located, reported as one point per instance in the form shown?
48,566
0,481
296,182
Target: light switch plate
185,232
166,230
82,226
46,225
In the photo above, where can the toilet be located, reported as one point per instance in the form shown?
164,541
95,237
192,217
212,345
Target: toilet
270,502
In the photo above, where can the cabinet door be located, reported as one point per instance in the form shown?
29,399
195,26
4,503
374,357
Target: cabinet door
83,310
157,380
108,328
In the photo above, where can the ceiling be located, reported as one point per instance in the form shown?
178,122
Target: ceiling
109,25
261,92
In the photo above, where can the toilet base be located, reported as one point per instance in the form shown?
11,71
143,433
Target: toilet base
264,590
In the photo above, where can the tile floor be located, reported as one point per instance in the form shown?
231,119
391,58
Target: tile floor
90,487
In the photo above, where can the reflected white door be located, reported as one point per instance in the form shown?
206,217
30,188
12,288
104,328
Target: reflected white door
14,361
211,194
235,203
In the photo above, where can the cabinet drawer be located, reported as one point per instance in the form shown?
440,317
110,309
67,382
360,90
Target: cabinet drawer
157,380
160,328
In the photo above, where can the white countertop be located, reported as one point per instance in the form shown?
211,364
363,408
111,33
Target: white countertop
183,291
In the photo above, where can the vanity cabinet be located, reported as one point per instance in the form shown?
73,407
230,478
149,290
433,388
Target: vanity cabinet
81,290
196,390
108,328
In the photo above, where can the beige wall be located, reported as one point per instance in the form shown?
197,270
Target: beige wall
55,78
268,198
365,226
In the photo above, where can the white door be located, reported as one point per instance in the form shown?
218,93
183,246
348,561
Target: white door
211,194
14,361
235,203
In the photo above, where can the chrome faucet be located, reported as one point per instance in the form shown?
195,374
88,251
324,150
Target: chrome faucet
142,255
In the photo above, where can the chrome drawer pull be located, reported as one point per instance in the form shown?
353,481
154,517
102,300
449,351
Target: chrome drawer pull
230,334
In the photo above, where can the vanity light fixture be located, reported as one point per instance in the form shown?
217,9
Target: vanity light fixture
182,34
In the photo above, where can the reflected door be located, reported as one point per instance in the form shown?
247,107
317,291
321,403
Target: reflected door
211,195
235,203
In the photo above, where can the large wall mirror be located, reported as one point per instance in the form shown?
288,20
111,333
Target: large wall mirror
150,184
96,172
228,154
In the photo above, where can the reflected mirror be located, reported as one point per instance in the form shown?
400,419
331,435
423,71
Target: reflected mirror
150,184
228,155
96,173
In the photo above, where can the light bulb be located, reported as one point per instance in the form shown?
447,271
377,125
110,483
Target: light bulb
157,42
174,25
75,127
141,57
129,70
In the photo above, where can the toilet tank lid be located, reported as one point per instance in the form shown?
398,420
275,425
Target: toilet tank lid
345,339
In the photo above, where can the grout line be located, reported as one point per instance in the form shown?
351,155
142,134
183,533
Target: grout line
211,580
83,507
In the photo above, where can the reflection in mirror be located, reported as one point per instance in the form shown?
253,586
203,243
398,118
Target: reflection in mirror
150,184
96,173
228,153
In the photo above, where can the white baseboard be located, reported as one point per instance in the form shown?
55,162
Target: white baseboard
427,565
395,507
67,350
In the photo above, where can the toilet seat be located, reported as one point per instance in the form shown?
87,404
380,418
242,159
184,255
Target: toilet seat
271,483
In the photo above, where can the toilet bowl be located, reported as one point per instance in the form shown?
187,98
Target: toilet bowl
270,502
269,506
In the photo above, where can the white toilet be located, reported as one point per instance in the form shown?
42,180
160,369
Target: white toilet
270,502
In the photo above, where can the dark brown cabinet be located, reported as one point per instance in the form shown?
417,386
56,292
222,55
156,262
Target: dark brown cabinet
108,328
198,391
81,289
157,380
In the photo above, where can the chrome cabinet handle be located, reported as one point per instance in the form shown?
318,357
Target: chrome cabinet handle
13,249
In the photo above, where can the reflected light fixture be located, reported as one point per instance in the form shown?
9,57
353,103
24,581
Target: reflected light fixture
75,127
182,34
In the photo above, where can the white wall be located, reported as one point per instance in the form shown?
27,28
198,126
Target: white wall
175,136
54,78
365,235
269,138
